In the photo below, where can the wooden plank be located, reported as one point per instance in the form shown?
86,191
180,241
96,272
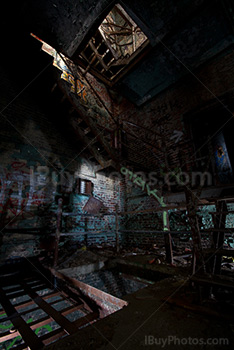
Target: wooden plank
60,319
7,336
26,333
87,289
52,336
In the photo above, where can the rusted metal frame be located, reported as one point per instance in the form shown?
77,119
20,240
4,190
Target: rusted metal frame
26,333
39,323
61,320
57,234
91,290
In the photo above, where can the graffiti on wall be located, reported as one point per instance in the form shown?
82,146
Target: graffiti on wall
144,186
21,189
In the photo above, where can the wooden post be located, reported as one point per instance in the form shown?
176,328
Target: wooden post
117,228
57,234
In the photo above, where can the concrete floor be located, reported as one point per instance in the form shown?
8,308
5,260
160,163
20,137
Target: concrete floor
148,317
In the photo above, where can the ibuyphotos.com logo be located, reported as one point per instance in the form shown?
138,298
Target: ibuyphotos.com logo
174,340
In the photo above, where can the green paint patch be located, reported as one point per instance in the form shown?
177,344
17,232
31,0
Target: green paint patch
9,326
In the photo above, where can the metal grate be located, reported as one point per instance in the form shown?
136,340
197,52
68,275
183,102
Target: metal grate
34,313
